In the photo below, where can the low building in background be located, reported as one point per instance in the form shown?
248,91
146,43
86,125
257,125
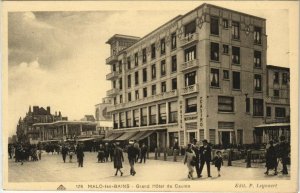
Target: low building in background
103,117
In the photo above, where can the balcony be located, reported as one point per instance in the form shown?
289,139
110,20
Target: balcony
279,100
113,92
190,89
190,65
149,99
112,59
112,75
190,38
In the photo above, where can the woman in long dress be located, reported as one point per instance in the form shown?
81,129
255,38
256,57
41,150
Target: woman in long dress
118,159
189,159
271,159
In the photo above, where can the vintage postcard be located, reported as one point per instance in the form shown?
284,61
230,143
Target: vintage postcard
176,96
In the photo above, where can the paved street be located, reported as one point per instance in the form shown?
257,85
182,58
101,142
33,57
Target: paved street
51,169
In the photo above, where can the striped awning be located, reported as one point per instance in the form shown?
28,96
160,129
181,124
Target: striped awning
113,136
126,136
142,135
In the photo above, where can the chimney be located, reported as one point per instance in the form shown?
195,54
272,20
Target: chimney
59,113
29,110
36,110
55,113
48,110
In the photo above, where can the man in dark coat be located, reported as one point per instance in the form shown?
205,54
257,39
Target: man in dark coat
80,155
143,153
205,157
64,152
284,150
132,154
271,159
195,148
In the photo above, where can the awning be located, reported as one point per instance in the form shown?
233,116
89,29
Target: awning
142,135
85,139
126,136
113,136
273,125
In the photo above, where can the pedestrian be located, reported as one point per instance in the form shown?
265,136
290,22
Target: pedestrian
64,152
118,159
205,157
284,151
143,153
101,154
195,148
189,160
80,155
218,161
40,153
137,146
106,152
71,153
271,159
111,152
132,153
10,150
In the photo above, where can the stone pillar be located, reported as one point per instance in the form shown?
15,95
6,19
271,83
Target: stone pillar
167,112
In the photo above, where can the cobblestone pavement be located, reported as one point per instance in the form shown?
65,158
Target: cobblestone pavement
52,169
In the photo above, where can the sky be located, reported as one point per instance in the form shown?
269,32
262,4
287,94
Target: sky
57,59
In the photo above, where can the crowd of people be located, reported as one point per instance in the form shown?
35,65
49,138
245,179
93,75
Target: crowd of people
24,152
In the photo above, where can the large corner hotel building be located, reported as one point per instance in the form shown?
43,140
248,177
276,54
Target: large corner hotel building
201,75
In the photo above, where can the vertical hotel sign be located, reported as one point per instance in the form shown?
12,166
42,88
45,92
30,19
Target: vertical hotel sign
201,112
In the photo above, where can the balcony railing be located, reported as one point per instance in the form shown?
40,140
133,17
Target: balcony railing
112,92
189,39
190,89
112,59
149,99
112,75
190,64
280,100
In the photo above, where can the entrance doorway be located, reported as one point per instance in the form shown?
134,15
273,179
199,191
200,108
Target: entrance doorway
225,136
192,136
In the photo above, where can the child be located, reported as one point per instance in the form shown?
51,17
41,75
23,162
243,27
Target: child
218,161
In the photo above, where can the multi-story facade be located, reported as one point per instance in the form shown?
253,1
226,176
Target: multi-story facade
201,75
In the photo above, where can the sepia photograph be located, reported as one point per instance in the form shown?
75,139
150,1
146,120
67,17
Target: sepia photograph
150,96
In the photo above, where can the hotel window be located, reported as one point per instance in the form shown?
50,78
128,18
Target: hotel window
225,104
174,63
214,51
162,114
225,74
121,98
257,35
163,87
276,93
136,77
114,84
173,114
190,28
136,59
174,84
137,95
129,96
235,55
225,23
225,49
129,81
190,54
145,75
136,121
163,68
122,122
214,25
116,120
257,59
162,46
120,84
153,51
114,67
153,89
258,107
236,82
269,111
115,100
276,77
120,66
173,39
257,82
191,105
235,30
284,78
152,112
214,77
153,71
128,63
247,105
128,119
190,78
144,116
144,55
145,92
279,112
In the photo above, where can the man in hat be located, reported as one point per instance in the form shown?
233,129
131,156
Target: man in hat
195,148
132,154
205,157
